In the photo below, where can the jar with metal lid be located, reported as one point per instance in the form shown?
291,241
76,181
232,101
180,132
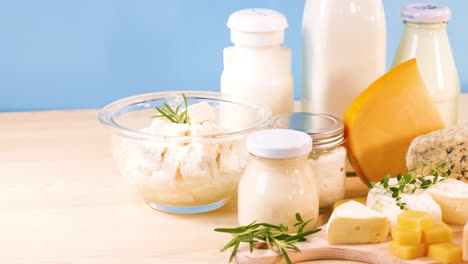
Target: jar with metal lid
277,182
328,157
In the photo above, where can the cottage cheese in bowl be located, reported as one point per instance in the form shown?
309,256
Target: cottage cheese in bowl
186,167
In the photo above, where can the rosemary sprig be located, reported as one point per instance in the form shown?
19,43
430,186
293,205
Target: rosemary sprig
173,115
274,236
410,182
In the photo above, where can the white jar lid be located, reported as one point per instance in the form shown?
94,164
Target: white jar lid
425,13
257,27
279,143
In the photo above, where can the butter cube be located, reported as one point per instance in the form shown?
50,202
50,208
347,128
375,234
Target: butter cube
415,220
404,236
407,251
439,232
445,252
465,242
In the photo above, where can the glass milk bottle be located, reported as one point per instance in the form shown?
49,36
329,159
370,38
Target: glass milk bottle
277,182
257,68
425,38
343,52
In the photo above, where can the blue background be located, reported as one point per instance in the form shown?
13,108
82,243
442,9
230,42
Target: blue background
57,54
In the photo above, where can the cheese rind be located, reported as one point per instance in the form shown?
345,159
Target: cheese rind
383,120
446,146
382,201
445,252
452,197
355,223
358,199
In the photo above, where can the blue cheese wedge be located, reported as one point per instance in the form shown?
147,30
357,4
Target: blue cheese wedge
449,146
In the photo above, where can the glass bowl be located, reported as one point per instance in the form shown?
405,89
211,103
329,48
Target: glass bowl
175,167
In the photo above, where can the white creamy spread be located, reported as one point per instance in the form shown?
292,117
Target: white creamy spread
184,171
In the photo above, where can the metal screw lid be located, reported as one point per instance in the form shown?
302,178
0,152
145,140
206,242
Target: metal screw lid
327,131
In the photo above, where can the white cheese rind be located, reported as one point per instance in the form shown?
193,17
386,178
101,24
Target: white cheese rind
449,146
355,223
382,201
452,197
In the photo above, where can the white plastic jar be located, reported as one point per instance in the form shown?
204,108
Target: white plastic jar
328,156
277,182
257,68
425,38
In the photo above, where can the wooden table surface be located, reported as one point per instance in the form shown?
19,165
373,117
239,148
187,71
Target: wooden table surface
62,200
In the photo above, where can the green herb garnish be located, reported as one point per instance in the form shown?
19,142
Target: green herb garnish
410,182
172,114
274,236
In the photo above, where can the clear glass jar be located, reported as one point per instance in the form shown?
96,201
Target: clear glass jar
278,182
328,156
425,38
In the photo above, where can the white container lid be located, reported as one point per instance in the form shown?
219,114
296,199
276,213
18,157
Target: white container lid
279,143
425,13
257,27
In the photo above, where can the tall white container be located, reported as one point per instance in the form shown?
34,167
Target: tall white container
425,38
343,52
257,68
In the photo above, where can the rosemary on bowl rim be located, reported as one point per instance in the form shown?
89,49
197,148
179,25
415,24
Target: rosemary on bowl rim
410,182
273,236
172,114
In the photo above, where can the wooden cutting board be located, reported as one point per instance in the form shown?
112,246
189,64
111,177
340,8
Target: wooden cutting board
317,248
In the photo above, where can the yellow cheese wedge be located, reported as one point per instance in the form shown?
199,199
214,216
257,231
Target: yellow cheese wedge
403,236
383,120
415,220
362,200
407,251
445,252
439,232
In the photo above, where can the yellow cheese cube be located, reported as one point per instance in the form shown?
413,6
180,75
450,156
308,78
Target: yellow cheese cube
404,236
415,220
407,251
439,232
445,252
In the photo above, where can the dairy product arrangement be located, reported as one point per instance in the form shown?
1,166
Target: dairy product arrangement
189,155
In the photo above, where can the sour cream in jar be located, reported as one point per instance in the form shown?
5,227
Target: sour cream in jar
277,182
328,157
